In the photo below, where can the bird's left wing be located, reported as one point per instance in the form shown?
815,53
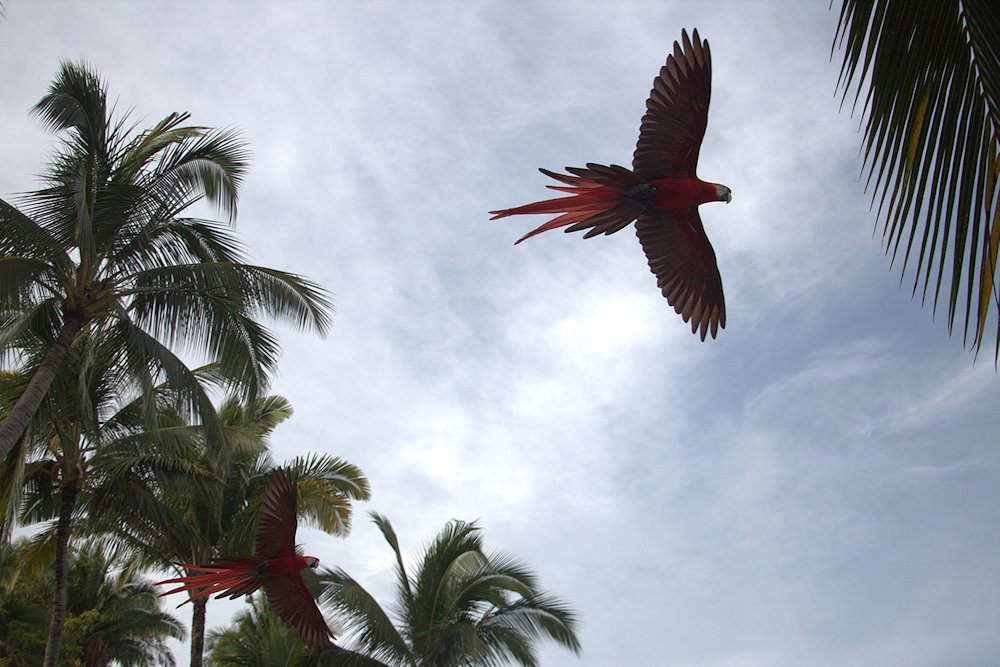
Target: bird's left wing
276,523
676,113
681,257
292,601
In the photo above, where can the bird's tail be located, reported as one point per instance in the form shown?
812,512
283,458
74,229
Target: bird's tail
596,202
229,577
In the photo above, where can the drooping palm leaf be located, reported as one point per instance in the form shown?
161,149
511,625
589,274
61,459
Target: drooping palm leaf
932,138
369,626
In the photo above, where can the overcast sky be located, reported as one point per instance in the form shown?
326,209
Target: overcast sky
818,486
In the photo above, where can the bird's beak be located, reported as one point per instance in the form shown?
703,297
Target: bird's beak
729,197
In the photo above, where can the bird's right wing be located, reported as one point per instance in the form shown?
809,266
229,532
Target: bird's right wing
682,259
292,601
275,532
676,113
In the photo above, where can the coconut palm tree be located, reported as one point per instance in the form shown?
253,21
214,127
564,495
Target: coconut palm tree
256,638
932,137
461,607
119,614
113,615
171,521
80,436
106,242
24,606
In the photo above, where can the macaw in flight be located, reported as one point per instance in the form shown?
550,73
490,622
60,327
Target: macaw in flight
661,192
276,566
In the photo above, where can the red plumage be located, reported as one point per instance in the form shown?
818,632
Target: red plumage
661,193
276,567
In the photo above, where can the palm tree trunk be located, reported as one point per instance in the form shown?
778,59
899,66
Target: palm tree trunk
198,631
54,642
17,419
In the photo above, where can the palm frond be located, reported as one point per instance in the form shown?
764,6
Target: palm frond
22,236
22,276
371,630
76,102
214,163
141,149
932,136
148,360
538,615
29,329
214,307
389,533
11,483
333,474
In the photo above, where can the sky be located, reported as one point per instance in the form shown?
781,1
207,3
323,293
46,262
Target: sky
818,486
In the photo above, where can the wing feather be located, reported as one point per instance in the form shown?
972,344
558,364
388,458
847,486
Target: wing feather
275,532
293,602
681,257
676,113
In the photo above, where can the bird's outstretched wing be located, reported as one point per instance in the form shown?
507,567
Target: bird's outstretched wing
294,604
276,523
682,259
676,113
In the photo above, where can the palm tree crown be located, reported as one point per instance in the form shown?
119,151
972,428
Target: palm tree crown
461,607
105,241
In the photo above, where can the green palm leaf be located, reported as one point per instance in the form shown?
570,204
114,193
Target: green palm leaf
371,628
932,137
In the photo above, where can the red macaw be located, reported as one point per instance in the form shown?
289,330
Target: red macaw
661,192
276,567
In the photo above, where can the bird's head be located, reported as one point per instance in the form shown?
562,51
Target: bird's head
723,193
312,561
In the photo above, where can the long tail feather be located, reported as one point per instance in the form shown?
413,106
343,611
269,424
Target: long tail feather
572,218
558,205
595,201
229,577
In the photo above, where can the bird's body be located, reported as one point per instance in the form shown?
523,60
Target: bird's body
285,565
276,567
661,193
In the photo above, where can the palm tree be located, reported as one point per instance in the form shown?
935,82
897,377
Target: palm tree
104,243
256,638
24,606
171,521
79,437
462,607
113,615
119,614
932,138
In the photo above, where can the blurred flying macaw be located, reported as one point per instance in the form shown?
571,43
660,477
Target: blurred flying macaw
661,192
276,567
